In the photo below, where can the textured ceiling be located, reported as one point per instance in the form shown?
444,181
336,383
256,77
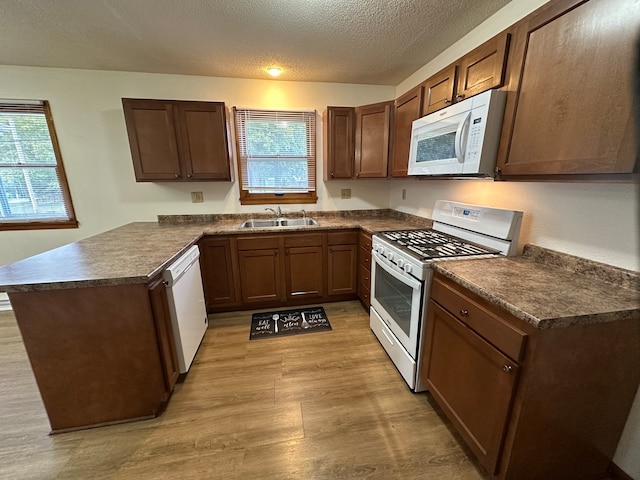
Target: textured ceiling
377,42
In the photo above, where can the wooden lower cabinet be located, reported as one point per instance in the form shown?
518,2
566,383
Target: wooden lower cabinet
219,266
472,381
342,256
100,355
268,270
260,264
530,403
304,267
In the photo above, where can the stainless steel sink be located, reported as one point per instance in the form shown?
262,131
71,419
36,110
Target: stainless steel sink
278,222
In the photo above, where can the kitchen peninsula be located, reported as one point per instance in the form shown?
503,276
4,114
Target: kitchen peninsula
94,318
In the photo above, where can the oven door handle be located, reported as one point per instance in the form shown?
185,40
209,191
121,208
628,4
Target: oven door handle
402,277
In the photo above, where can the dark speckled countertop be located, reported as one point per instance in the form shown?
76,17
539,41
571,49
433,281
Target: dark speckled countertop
544,288
137,252
549,290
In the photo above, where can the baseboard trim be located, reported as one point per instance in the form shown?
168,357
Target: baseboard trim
616,473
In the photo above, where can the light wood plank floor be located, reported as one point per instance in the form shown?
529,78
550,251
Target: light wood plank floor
327,405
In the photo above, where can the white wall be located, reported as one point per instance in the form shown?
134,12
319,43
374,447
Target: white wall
87,112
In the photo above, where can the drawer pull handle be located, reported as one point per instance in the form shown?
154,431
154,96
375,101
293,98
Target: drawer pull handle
507,369
464,313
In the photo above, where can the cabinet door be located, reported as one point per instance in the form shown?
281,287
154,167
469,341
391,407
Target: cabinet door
472,381
164,330
439,90
342,271
260,275
483,68
569,108
304,272
339,129
219,272
152,139
407,108
203,140
373,123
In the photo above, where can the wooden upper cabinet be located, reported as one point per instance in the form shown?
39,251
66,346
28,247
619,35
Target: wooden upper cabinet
483,68
569,107
480,70
177,141
373,123
407,108
338,134
439,90
203,141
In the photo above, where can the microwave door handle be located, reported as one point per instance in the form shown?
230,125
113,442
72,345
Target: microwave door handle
458,143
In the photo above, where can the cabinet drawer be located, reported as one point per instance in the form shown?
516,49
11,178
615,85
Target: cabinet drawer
258,242
364,276
365,258
364,240
487,324
303,240
342,238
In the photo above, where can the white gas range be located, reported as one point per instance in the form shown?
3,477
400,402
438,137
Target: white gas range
401,272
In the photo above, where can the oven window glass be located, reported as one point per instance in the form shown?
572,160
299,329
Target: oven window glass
395,297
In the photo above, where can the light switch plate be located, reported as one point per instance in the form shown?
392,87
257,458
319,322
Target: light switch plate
197,197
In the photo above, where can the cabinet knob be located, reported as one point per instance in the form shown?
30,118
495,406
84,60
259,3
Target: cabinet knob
189,175
357,174
460,96
464,313
333,174
175,175
447,101
507,369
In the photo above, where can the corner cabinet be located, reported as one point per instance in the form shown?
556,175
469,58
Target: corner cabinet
339,140
373,138
560,396
569,104
174,140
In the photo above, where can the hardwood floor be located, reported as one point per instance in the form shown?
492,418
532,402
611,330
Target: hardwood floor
327,405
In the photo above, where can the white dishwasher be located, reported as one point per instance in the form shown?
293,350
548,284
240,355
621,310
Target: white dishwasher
186,305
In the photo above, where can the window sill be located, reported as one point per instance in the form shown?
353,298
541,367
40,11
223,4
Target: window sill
41,225
271,198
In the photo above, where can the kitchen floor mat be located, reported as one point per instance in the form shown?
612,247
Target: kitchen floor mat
288,322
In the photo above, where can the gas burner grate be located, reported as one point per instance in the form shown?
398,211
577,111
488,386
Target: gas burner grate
431,244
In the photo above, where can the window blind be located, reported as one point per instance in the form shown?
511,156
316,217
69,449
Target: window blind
32,183
276,150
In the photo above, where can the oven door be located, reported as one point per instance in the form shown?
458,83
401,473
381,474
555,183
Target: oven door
397,298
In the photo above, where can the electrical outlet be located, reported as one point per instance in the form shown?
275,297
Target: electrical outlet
404,193
197,197
345,193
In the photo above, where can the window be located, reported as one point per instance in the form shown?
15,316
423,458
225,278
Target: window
276,156
33,187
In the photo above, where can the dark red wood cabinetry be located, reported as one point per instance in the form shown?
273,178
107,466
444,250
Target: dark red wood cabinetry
174,140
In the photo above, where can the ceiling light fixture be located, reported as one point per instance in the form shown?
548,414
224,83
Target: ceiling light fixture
274,71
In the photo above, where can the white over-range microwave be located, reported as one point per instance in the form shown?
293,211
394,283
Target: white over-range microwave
460,140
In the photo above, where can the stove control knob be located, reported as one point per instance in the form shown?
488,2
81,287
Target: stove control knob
390,256
380,249
407,267
400,262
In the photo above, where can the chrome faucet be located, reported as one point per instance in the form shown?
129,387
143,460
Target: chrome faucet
277,212
304,214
